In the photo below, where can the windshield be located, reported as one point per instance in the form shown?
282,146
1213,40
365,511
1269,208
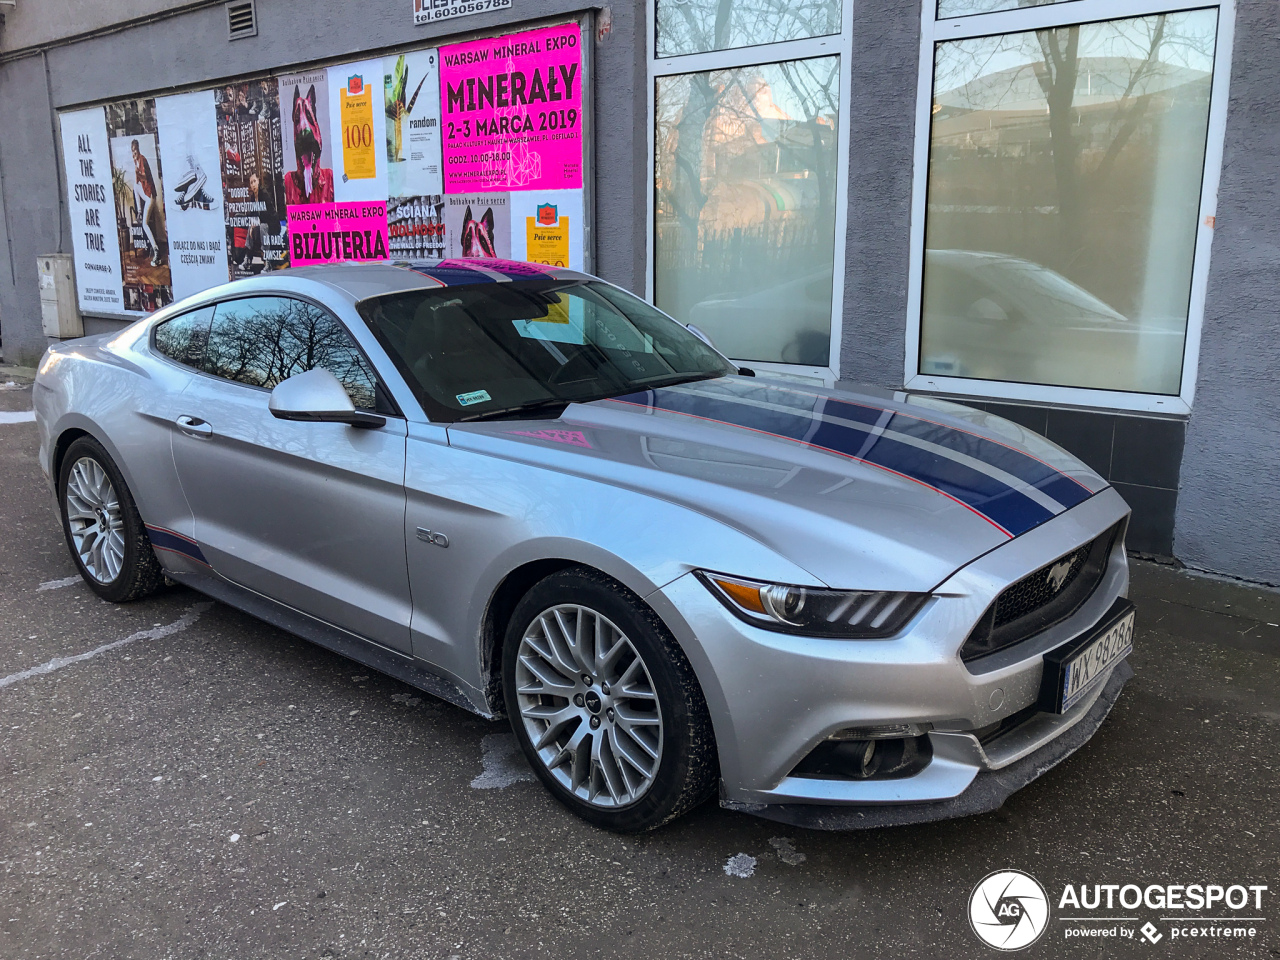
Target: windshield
492,349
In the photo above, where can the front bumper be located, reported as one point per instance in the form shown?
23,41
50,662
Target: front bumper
774,697
986,792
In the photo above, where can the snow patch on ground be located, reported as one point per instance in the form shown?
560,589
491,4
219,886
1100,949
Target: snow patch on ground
787,853
740,865
17,416
503,763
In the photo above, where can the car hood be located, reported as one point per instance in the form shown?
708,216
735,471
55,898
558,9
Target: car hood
863,489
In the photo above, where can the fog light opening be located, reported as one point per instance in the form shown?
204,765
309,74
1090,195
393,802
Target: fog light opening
884,758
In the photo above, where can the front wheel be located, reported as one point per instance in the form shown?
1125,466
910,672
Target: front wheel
605,705
104,532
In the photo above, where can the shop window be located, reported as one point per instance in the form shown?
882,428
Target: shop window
744,227
967,8
696,26
1065,174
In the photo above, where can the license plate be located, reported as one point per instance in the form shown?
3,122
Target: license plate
1070,672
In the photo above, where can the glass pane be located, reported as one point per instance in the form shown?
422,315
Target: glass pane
485,349
965,8
1064,192
744,232
263,340
183,338
695,26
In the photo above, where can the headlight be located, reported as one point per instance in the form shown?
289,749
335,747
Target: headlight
813,612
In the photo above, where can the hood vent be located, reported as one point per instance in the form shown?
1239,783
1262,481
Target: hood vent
242,20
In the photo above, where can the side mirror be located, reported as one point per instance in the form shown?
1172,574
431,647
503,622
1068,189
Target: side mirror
317,396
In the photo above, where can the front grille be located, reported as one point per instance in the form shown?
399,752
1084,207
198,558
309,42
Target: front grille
1041,599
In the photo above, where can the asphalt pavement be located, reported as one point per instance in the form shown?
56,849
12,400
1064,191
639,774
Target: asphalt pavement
178,779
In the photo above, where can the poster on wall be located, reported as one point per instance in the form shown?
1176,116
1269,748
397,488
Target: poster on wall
415,228
478,225
546,227
411,94
511,112
333,232
248,124
358,128
308,154
138,182
197,235
429,11
95,242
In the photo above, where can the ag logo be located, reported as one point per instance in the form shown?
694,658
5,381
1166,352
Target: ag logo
1008,910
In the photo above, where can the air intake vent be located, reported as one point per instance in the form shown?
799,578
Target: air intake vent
242,20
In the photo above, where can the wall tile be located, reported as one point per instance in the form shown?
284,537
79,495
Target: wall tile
1151,526
1147,451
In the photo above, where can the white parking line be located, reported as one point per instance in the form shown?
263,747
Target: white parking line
57,584
155,633
17,416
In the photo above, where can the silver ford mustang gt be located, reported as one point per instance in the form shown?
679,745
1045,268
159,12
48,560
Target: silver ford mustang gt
532,494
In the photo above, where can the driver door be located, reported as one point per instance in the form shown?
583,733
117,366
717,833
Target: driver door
308,514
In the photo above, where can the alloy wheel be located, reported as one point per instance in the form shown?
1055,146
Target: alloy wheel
95,520
588,705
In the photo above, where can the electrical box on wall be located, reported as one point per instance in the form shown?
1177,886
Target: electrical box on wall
59,309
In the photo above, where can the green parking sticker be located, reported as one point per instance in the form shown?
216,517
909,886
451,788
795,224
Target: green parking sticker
475,396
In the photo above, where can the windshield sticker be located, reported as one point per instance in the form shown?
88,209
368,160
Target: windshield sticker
475,396
574,438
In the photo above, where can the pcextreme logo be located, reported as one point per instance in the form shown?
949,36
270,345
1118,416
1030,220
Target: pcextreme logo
1009,910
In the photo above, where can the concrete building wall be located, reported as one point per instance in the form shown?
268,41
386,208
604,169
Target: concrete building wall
1228,517
32,22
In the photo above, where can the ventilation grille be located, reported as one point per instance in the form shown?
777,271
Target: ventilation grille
242,20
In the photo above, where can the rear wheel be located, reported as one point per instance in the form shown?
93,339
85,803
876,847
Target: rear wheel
104,532
605,705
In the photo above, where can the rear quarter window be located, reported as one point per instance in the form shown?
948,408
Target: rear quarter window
184,338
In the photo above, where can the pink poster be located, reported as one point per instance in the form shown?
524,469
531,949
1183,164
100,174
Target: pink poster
332,232
512,112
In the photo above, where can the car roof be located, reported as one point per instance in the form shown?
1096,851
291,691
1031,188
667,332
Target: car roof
362,280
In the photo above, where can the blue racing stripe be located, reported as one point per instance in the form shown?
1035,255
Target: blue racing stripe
1007,507
163,539
1028,469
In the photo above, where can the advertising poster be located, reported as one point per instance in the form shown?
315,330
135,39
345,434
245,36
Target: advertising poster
511,112
429,11
415,228
91,204
308,155
333,232
138,183
248,123
546,227
358,131
411,94
478,225
197,235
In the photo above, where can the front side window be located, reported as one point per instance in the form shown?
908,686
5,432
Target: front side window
491,349
746,192
261,341
1064,181
183,338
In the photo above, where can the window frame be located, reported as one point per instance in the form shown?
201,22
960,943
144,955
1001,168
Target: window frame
835,44
1020,20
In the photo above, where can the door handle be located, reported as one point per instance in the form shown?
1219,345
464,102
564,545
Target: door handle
194,427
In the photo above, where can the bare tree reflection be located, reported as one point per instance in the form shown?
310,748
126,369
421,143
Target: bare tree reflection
264,340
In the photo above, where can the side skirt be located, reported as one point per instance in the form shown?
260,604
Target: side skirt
407,669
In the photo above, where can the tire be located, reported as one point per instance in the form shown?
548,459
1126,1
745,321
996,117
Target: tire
93,498
651,756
